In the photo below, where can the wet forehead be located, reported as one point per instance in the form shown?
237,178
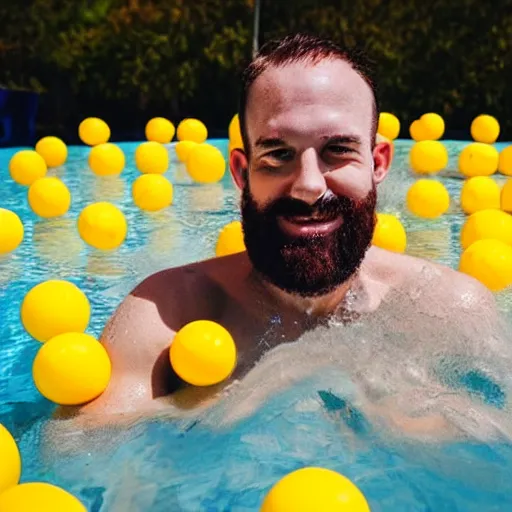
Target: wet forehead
307,99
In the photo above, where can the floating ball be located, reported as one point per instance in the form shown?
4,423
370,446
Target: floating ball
389,125
27,166
428,199
506,197
485,129
235,134
49,197
93,131
203,353
102,225
489,261
53,150
151,158
479,193
160,130
11,231
206,164
505,161
231,239
54,307
389,233
432,126
183,149
152,192
478,159
106,159
192,129
315,490
39,497
486,224
10,468
71,369
428,157
416,131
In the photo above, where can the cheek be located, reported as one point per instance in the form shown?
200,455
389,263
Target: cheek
352,182
266,189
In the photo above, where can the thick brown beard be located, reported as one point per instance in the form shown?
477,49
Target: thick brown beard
312,265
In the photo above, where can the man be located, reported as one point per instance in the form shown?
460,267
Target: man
308,179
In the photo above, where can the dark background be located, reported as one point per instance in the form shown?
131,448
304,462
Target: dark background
129,60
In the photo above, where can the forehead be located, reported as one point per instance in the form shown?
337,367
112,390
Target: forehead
304,99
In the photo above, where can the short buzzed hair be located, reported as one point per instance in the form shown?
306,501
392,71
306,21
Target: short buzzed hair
302,48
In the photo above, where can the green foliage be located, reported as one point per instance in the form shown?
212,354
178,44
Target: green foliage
127,60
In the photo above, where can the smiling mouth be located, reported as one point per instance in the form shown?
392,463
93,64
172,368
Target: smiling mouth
306,225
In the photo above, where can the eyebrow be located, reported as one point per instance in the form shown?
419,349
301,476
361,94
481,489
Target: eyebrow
269,143
343,139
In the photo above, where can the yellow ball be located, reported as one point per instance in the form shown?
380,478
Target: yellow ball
49,197
192,129
102,225
40,497
183,149
54,307
27,166
489,261
151,158
53,150
152,192
485,129
106,159
479,193
315,490
389,233
417,132
11,231
235,135
93,131
10,468
203,353
506,196
428,156
432,126
160,130
428,199
71,369
231,239
478,159
206,164
505,161
486,224
389,125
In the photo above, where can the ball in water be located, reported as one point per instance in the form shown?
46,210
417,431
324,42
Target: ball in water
11,231
478,159
27,166
486,224
479,193
160,130
192,129
151,158
416,131
152,192
506,197
231,239
10,468
389,233
49,197
53,150
428,157
203,353
485,129
235,134
106,159
206,164
40,497
505,161
102,225
489,261
389,125
93,131
428,199
183,149
54,307
71,369
314,490
432,126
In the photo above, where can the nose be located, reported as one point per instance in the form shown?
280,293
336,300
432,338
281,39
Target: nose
309,183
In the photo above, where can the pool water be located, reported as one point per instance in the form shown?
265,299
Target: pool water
164,465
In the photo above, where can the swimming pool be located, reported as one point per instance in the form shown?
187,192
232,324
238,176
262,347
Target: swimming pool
189,466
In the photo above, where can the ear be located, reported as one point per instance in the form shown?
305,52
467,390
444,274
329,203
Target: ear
238,164
382,157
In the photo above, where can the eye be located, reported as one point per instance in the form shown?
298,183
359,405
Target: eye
338,149
280,155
